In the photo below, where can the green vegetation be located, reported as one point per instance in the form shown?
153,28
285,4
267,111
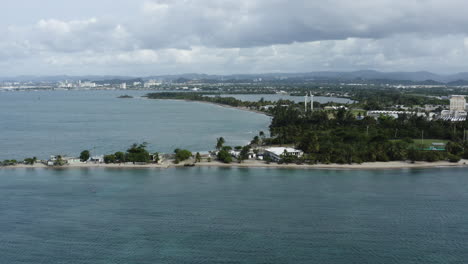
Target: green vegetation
119,157
198,157
30,161
244,154
110,159
59,161
85,155
9,163
338,137
137,153
219,143
224,156
182,155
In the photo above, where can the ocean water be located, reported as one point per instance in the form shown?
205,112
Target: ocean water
220,215
48,123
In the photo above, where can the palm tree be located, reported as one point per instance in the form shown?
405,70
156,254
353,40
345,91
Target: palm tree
220,142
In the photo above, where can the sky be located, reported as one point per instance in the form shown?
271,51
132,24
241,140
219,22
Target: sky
155,37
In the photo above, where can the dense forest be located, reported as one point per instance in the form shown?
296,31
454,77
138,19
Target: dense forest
338,137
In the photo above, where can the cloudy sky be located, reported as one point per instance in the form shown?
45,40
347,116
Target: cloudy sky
146,37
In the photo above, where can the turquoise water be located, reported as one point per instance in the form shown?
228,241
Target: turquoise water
66,122
211,215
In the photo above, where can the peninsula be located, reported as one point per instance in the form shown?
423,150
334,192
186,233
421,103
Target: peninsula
311,135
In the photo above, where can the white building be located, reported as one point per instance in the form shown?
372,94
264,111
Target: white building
87,84
97,159
457,103
236,154
276,154
151,83
457,110
395,114
123,86
72,160
456,116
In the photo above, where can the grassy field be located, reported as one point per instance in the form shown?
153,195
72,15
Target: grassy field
427,143
356,112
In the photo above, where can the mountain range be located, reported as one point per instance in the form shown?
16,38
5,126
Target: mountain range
362,75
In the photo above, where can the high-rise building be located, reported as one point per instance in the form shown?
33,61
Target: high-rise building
457,103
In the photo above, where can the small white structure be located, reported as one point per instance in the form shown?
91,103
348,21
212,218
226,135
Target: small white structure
123,86
377,113
236,154
97,159
276,154
72,160
306,100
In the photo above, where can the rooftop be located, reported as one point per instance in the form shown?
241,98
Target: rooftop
280,150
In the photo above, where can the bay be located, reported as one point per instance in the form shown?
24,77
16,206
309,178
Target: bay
44,123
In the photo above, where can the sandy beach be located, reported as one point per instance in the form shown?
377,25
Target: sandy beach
260,164
221,105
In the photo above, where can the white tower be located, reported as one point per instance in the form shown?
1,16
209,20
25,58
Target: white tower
305,102
311,102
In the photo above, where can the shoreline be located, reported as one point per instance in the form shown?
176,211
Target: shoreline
217,104
258,164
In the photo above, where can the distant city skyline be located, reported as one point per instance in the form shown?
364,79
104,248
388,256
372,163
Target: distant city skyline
158,37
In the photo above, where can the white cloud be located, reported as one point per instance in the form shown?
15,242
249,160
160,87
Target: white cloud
173,36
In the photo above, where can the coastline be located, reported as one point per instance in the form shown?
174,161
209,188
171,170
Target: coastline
258,164
221,105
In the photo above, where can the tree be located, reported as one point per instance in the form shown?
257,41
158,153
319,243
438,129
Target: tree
198,157
454,148
9,162
120,157
262,135
309,143
219,143
453,158
226,148
59,161
224,156
244,154
255,141
84,156
110,158
137,153
182,154
30,161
